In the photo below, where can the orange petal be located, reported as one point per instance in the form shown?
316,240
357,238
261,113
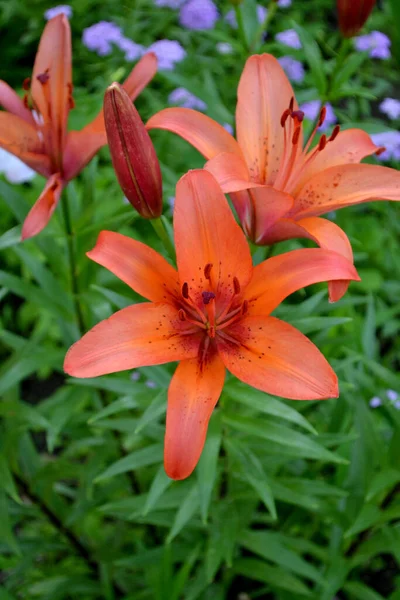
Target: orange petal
278,277
192,396
41,211
138,265
231,172
206,233
209,137
349,147
259,209
53,96
329,236
264,93
13,104
276,358
21,139
346,185
136,336
141,75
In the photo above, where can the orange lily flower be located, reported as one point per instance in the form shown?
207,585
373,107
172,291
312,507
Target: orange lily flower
211,314
35,129
280,189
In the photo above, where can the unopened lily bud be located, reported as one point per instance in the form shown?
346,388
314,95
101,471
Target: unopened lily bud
133,155
353,14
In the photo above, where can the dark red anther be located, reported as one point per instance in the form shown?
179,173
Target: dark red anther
185,290
380,150
284,117
181,314
245,307
296,136
207,297
236,285
25,100
322,142
298,115
291,103
43,77
207,270
71,103
26,84
322,116
334,133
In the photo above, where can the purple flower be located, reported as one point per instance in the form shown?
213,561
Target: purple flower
230,17
224,48
168,53
293,68
376,43
375,402
63,9
289,38
132,50
186,99
15,171
169,3
392,395
228,128
198,14
390,107
171,202
135,375
397,404
389,140
284,3
151,384
312,109
100,37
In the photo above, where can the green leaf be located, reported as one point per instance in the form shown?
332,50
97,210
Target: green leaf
286,440
266,404
117,300
276,577
189,506
6,533
313,57
161,482
139,458
7,481
124,403
369,341
360,591
308,325
10,238
153,412
207,467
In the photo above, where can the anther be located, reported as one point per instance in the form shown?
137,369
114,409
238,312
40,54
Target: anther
296,136
26,84
43,77
25,100
334,133
298,115
181,314
185,290
207,297
236,285
291,103
322,116
284,117
245,307
380,150
207,270
322,142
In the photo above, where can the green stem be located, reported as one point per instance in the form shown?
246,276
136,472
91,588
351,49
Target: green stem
272,9
73,274
162,233
242,32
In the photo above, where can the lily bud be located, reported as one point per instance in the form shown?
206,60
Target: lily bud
132,152
353,14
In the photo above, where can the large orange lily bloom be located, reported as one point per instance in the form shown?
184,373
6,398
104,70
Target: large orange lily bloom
211,314
35,129
280,189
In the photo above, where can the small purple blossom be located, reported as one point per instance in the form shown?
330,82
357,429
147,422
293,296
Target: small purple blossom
135,376
289,38
293,68
151,384
100,37
284,3
224,48
376,43
62,9
397,404
311,110
171,202
262,13
390,107
198,15
14,170
228,127
168,53
169,3
389,140
392,396
375,402
186,99
132,50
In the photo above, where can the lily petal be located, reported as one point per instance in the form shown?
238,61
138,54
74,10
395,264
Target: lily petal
349,147
231,172
192,396
45,205
137,265
13,104
208,136
278,277
141,75
264,93
329,236
206,233
276,358
136,336
21,139
346,185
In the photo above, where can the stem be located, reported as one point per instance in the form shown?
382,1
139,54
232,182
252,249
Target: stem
73,540
242,32
69,235
162,233
272,8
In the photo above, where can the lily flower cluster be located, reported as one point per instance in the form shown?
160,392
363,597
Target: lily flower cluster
214,311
